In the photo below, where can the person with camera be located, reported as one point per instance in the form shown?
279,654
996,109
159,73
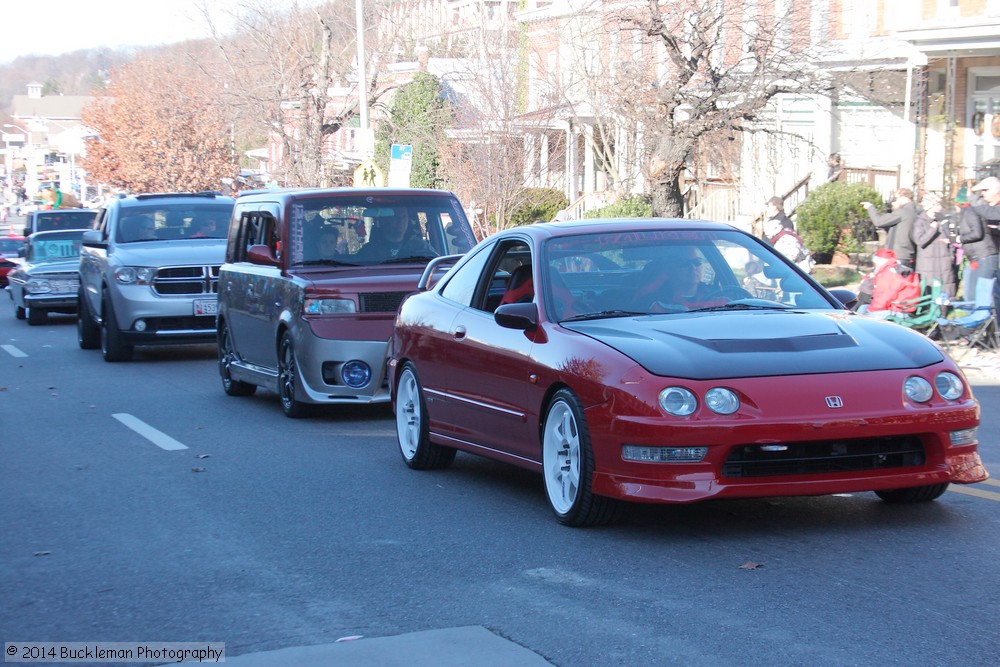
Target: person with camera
979,234
934,257
898,224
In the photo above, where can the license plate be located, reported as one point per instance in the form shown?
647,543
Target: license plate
206,307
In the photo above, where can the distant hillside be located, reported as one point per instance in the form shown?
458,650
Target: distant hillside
78,73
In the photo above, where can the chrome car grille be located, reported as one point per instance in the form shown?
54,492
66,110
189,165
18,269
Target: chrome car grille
61,283
381,302
174,280
824,456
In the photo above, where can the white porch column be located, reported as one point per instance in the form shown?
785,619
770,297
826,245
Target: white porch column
589,178
529,160
543,160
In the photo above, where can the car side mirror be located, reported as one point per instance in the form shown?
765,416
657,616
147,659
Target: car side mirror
93,239
262,254
846,297
523,316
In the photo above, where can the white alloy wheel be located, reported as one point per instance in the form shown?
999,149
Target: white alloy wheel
409,415
561,457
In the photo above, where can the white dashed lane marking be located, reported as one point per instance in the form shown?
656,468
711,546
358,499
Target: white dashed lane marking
158,438
13,351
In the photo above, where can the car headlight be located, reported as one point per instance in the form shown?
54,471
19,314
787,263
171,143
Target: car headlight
678,401
949,386
722,401
134,275
328,306
918,389
356,374
38,286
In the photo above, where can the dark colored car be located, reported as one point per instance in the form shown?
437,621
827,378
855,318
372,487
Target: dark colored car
312,282
48,281
149,271
11,252
59,219
671,361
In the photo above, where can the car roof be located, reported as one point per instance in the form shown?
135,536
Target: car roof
166,197
289,194
597,225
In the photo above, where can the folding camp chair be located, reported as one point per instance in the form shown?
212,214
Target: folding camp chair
926,311
979,327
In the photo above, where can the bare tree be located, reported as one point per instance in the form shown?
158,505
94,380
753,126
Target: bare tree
292,74
159,128
488,159
682,80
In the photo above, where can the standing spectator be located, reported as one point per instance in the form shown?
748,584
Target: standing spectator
934,258
775,210
898,223
978,233
789,244
834,166
890,283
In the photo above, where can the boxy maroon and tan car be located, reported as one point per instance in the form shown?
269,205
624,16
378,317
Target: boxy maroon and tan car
312,282
671,361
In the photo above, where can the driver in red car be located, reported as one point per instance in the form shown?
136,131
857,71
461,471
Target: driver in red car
674,283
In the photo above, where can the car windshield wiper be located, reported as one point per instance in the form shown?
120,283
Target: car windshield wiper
741,305
603,314
411,258
326,262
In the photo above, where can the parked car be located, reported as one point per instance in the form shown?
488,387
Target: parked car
11,252
311,284
149,271
60,218
48,281
628,360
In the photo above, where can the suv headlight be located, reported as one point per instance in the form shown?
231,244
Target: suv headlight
134,275
328,306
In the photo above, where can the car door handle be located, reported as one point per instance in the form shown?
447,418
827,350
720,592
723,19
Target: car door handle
459,333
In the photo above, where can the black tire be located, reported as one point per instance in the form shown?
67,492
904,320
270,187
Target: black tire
20,313
37,317
568,466
287,376
412,432
112,347
915,494
88,334
226,357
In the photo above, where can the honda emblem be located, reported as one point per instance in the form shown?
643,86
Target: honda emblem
834,402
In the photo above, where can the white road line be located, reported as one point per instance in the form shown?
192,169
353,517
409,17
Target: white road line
158,438
13,351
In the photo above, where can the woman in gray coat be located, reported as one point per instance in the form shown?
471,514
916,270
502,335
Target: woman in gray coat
934,256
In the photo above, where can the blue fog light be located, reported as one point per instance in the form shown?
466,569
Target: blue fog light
356,374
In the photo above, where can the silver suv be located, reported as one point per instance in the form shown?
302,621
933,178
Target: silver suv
149,271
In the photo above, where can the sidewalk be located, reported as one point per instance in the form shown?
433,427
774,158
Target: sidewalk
470,646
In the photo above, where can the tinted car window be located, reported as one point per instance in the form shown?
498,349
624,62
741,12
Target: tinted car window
461,285
168,221
46,221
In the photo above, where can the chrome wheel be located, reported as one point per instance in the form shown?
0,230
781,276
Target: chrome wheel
287,378
226,358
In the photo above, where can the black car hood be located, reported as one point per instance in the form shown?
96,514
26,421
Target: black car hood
716,345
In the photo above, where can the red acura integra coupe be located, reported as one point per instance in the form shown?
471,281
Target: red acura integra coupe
671,361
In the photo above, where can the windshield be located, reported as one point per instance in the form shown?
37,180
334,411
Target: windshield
10,246
639,272
69,219
169,221
358,230
52,246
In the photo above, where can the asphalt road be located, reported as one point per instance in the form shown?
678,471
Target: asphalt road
264,533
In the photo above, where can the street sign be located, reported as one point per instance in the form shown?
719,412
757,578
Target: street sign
400,165
368,175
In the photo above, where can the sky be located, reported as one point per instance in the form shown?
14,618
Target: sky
53,27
